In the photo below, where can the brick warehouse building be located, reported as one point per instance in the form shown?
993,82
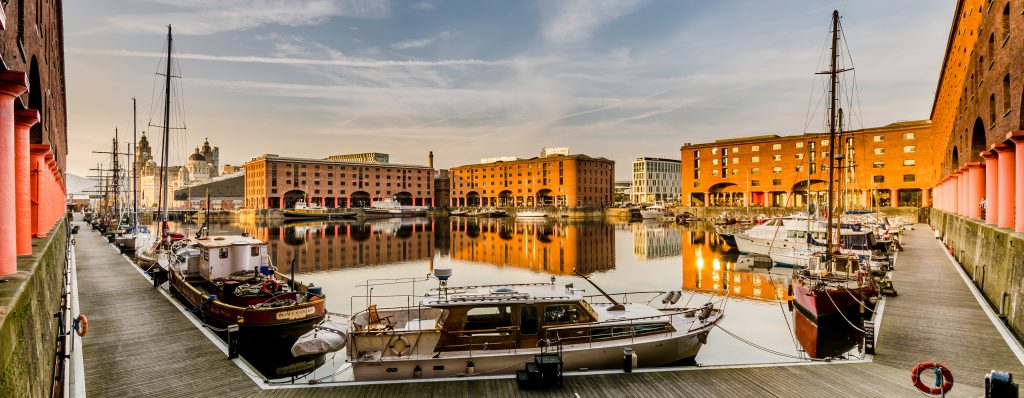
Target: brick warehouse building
272,181
33,239
552,180
884,169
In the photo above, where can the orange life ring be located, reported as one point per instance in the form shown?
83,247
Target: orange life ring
947,378
81,325
269,286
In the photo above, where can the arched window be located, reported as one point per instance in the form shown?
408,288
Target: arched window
1006,93
21,20
991,48
1006,22
992,108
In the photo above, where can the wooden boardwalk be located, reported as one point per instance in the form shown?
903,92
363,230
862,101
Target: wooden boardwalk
140,345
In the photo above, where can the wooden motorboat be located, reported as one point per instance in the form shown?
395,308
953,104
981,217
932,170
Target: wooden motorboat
231,280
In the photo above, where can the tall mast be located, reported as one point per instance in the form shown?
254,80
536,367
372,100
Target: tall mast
167,134
833,95
116,178
135,168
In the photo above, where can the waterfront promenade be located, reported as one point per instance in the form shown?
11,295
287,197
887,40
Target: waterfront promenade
140,344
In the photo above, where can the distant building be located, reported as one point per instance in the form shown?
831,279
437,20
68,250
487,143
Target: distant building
499,159
551,151
229,169
369,157
554,180
655,180
442,188
273,181
622,190
202,165
225,193
882,166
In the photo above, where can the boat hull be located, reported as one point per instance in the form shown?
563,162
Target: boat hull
650,353
219,313
750,245
828,302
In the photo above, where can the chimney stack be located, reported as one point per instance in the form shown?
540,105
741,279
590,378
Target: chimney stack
431,160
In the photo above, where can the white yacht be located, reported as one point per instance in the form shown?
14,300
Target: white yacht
653,212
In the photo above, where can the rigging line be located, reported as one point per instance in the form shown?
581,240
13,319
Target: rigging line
840,311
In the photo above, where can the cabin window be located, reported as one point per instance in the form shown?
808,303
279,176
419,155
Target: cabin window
223,252
486,318
559,314
255,251
528,319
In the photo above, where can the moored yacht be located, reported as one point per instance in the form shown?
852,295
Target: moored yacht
654,211
388,208
497,329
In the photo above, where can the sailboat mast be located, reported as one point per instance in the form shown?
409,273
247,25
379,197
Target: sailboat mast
833,88
116,186
167,134
135,167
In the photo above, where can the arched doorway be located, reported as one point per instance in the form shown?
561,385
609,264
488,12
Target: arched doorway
292,197
544,198
978,141
472,199
817,194
505,199
725,194
404,198
360,199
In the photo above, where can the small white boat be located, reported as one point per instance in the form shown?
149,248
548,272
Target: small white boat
797,258
531,214
653,212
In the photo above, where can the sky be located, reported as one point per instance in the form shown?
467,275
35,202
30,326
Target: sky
484,78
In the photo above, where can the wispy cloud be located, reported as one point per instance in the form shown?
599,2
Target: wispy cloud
423,6
203,17
356,63
575,21
420,43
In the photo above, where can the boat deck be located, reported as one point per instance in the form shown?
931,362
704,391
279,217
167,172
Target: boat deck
140,345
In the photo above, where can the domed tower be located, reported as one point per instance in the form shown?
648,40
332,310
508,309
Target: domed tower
212,155
144,163
198,167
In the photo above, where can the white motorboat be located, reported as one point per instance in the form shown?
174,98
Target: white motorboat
653,212
797,258
531,214
392,208
497,329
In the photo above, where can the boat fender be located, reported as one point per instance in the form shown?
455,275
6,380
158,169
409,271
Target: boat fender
942,374
269,286
668,298
676,296
400,346
81,325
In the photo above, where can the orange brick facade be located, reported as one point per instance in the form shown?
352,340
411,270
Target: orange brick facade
981,85
277,182
885,166
557,180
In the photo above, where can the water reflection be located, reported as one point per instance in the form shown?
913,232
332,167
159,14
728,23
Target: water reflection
553,248
620,257
832,339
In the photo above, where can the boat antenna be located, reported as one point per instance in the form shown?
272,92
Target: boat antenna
615,304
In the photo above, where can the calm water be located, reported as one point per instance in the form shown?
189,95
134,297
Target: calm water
639,256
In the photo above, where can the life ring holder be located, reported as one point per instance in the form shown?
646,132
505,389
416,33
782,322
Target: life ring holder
269,286
81,325
947,378
399,352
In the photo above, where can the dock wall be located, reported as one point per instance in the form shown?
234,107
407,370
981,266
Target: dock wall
28,301
994,259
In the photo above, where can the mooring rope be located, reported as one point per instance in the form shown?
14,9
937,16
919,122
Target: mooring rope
769,350
840,311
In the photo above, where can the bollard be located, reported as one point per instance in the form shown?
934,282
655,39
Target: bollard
232,341
869,337
629,360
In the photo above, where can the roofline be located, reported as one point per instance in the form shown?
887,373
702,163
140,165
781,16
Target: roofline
645,158
537,158
897,126
331,162
945,57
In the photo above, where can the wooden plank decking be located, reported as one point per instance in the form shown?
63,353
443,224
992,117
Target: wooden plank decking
140,345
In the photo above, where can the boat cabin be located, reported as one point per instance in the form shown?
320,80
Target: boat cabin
221,256
504,317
